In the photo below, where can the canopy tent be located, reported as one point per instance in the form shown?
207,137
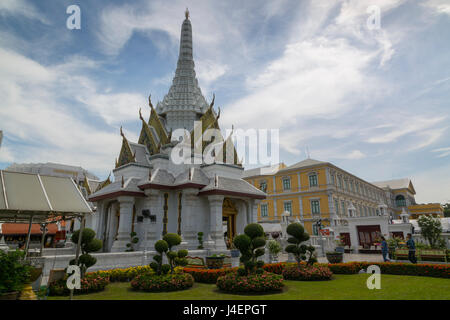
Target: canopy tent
40,199
23,195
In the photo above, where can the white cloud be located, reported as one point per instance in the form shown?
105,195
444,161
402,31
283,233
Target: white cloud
21,7
444,152
439,6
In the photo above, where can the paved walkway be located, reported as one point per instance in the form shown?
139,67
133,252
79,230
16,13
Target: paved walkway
348,257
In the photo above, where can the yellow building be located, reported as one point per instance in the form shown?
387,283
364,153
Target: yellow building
311,190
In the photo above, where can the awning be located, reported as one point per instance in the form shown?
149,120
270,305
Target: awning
24,194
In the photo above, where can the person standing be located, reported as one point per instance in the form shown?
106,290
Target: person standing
411,248
384,249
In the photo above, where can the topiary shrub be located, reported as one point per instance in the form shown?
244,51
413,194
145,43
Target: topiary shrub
296,248
251,245
89,244
133,240
306,272
162,283
175,258
200,240
252,283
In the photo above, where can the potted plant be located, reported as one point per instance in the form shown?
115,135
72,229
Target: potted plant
215,261
14,274
200,240
340,244
234,252
334,256
274,249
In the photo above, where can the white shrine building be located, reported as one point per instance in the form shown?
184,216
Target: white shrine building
152,195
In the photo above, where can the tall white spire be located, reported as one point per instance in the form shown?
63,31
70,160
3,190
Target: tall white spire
184,102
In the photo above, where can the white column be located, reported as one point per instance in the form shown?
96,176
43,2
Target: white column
189,216
152,230
125,221
215,226
254,213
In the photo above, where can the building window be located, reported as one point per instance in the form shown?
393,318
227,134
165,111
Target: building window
288,207
315,229
365,211
343,207
400,201
336,205
333,180
313,180
346,184
351,186
286,183
315,206
340,181
263,186
264,211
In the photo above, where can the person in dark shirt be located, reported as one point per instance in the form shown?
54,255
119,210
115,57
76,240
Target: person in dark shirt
411,248
384,249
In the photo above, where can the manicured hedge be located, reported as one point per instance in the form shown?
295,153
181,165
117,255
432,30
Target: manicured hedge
124,274
397,268
168,282
255,283
307,273
208,275
89,284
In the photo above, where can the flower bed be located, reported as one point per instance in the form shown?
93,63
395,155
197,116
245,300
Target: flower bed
255,283
208,275
123,275
89,284
168,282
397,268
307,273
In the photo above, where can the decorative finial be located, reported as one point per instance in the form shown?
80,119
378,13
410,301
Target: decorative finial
218,115
121,132
212,102
186,13
150,101
140,115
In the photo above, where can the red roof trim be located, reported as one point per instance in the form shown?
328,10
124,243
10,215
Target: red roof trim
166,187
230,193
117,194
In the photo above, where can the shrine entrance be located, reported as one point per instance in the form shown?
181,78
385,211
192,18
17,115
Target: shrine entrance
229,213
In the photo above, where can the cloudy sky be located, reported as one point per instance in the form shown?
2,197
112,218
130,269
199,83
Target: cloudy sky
374,101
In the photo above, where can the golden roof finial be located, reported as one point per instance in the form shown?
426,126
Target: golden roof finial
121,132
212,102
186,13
150,101
140,115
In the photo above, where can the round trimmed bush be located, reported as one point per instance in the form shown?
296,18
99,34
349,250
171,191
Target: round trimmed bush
254,283
172,239
161,246
168,282
297,231
307,273
254,230
242,242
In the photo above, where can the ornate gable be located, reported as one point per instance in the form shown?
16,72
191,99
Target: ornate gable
146,137
126,155
155,122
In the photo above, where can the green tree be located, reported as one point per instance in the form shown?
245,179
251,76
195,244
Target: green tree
89,244
251,245
175,258
431,229
446,210
296,248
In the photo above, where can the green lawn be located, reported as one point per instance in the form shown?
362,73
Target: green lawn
342,287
